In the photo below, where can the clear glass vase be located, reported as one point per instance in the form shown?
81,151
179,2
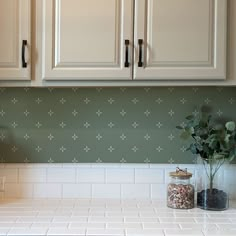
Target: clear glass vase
212,185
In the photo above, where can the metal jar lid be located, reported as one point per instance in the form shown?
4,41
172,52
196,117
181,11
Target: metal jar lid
181,174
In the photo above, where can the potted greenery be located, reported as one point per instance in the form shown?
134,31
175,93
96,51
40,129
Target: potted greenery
214,141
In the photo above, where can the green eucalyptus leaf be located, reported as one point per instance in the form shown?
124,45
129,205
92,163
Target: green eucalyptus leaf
227,137
211,138
223,146
193,149
219,156
205,149
191,130
198,139
190,117
201,132
213,143
230,126
189,125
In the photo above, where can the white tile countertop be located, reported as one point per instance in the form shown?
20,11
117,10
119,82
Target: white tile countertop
98,217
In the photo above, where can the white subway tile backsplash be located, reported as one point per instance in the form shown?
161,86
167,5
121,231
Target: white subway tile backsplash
135,191
118,181
32,175
77,191
47,190
135,166
11,174
76,165
14,165
105,165
119,175
158,191
230,174
16,190
90,175
61,175
11,190
33,166
25,190
106,191
149,176
163,166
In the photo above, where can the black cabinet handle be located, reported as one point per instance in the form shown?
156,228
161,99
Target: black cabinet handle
127,53
24,44
140,57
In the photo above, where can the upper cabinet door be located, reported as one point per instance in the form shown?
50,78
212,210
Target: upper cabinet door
14,39
87,39
180,39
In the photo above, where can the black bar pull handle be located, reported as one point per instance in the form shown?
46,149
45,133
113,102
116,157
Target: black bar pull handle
127,53
140,57
24,44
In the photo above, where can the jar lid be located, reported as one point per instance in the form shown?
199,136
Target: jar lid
181,174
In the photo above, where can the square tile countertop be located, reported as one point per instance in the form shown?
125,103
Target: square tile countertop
111,218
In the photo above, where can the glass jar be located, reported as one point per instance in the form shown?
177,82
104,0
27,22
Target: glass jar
180,192
212,184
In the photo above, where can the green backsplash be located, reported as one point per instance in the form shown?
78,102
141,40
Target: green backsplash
112,125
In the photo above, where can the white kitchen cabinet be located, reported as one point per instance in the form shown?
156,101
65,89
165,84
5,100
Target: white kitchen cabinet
173,40
117,42
180,39
15,38
87,39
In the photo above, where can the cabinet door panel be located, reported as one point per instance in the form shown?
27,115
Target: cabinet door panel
184,39
14,28
84,39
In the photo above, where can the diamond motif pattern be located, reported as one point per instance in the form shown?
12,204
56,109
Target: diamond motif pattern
116,125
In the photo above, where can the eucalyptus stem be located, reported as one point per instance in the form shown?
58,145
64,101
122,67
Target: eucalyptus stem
212,171
204,164
211,175
220,163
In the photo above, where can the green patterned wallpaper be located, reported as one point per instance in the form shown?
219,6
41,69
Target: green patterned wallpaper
112,125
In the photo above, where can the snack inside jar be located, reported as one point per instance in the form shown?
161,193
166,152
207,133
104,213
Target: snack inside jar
180,192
